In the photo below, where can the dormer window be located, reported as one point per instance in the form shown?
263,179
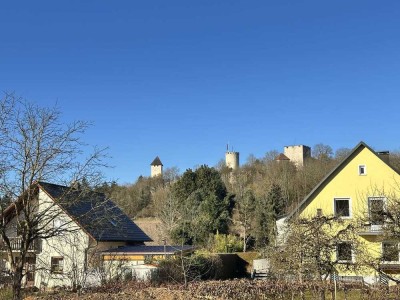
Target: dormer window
362,170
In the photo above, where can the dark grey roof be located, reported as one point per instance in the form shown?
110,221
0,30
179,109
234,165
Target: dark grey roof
150,249
357,149
101,218
156,162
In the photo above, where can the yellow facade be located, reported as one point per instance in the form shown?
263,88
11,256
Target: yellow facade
379,180
361,175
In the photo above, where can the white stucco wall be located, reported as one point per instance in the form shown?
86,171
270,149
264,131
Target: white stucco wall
72,245
232,160
156,170
297,154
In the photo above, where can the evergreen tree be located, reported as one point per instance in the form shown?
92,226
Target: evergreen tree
203,203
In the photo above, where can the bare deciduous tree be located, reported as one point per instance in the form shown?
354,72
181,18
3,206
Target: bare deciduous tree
310,251
36,146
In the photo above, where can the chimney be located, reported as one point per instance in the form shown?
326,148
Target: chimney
384,155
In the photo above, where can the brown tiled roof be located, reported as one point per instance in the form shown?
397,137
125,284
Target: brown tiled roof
281,156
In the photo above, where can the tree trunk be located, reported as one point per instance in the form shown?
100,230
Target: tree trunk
322,294
244,240
17,283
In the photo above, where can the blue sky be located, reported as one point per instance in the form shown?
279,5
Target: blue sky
181,79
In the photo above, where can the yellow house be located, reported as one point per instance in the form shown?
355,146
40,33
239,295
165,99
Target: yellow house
357,190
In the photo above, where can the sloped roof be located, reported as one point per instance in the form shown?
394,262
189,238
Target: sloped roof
156,162
356,150
97,215
282,156
150,249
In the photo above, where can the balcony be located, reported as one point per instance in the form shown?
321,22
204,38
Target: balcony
16,245
390,266
368,229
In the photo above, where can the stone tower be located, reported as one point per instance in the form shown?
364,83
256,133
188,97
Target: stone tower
156,167
297,154
232,159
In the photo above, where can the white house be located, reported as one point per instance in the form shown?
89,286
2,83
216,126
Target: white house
85,223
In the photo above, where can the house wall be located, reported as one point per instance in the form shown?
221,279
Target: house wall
11,230
380,180
101,246
72,245
12,233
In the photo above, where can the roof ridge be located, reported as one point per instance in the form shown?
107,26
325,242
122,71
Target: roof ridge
326,177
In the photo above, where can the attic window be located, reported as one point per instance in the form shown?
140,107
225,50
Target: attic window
113,223
362,170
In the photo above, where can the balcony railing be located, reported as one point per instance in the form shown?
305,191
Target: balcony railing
390,266
371,229
15,244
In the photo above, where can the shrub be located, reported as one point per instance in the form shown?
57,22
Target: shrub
183,269
226,243
6,293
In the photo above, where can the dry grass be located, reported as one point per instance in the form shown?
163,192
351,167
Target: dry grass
221,290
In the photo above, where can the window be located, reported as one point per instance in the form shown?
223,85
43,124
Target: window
319,212
343,252
390,251
362,170
57,265
342,207
376,209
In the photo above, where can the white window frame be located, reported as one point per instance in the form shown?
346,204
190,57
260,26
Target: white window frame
352,260
398,253
364,168
350,209
52,266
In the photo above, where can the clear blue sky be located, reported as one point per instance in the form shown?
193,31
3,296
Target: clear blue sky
180,79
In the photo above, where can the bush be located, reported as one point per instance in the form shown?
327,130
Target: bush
191,268
226,243
6,293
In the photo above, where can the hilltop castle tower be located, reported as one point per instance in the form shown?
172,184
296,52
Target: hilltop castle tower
297,154
232,159
156,167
